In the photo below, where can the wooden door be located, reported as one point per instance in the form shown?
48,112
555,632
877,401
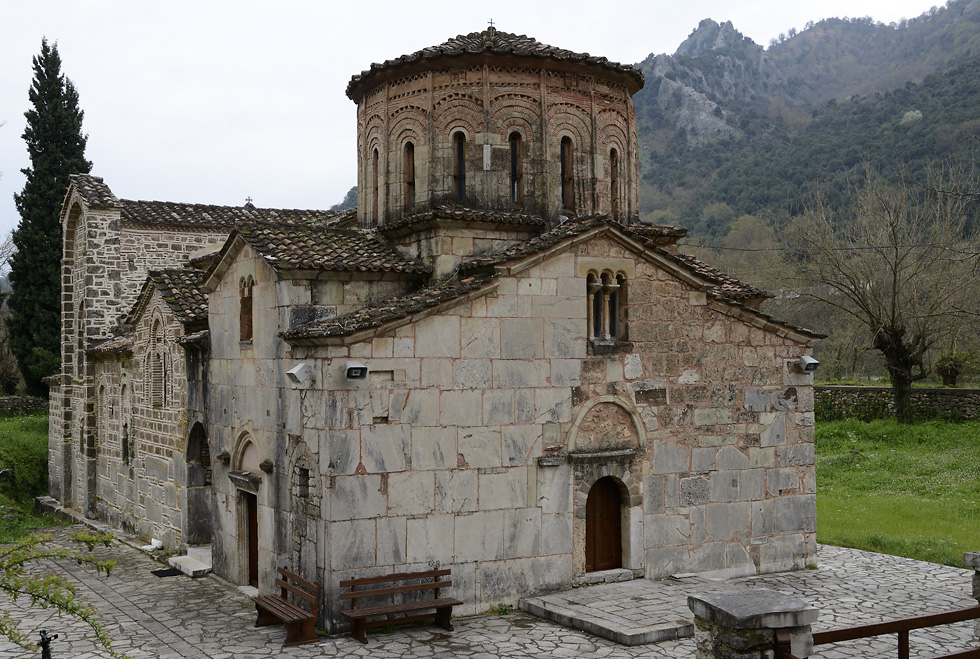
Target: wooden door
603,533
252,503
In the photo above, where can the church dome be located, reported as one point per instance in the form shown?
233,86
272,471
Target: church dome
496,121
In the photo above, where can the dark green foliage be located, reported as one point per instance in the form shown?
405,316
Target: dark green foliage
24,456
56,147
350,201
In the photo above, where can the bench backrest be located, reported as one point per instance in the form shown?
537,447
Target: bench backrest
361,588
290,582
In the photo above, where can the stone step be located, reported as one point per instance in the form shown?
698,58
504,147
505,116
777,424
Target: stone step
190,566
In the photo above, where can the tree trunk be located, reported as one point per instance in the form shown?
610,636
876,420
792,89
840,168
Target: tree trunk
902,390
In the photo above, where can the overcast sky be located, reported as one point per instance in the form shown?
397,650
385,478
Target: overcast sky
212,102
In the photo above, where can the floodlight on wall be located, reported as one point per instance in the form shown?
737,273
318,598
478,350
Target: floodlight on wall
300,374
807,364
355,371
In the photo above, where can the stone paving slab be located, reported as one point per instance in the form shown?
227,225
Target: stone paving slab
182,617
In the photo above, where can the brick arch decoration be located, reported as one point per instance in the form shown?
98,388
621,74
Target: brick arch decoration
510,111
458,110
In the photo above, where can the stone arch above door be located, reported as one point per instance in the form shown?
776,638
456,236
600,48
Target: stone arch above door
606,423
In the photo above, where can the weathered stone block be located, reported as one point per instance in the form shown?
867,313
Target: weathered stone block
461,408
438,336
479,536
431,538
522,533
472,374
480,448
726,520
756,400
729,457
775,434
433,448
566,372
522,338
779,480
795,454
511,374
498,407
669,457
556,534
384,447
410,493
519,443
795,513
357,497
553,405
506,488
392,540
456,491
725,485
694,491
480,338
352,544
666,531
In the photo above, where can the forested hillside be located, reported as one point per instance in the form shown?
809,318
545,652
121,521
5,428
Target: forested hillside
728,128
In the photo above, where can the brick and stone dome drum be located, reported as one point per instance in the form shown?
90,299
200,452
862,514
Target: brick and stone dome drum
496,121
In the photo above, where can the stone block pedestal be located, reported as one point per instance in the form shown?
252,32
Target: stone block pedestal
744,624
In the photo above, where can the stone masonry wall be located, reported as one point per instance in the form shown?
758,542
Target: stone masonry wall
458,450
19,405
868,403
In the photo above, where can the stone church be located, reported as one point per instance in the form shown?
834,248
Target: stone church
491,365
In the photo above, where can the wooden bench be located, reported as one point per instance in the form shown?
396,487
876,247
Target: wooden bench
273,609
424,605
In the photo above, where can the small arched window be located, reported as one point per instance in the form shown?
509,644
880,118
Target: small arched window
459,167
567,175
409,176
516,169
245,285
614,182
375,164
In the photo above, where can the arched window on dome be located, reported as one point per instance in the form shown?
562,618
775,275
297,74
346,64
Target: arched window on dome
567,175
374,187
409,170
459,167
614,182
516,169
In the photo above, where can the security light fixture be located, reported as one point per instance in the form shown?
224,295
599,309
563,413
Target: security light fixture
355,371
300,373
807,363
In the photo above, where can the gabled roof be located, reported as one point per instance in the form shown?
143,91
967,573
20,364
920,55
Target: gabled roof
477,277
303,247
181,290
493,41
96,194
381,313
165,213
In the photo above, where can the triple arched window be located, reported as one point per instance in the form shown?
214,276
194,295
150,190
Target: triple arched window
606,311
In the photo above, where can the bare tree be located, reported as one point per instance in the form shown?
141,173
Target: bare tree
900,258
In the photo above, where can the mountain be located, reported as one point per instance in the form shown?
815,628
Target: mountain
728,128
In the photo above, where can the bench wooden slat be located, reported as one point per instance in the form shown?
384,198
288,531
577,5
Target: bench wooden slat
377,592
421,605
298,579
398,576
309,597
285,611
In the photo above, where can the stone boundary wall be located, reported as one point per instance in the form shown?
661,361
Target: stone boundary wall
867,403
18,405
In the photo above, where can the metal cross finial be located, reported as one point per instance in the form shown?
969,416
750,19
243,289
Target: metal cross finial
491,25
248,200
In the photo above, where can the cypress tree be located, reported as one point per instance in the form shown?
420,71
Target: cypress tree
56,146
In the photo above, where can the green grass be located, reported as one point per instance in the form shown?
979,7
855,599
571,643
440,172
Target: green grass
904,490
23,474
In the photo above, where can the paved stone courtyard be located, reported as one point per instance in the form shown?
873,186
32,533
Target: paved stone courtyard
182,617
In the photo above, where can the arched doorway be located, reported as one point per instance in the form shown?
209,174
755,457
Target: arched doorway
199,494
247,480
603,527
